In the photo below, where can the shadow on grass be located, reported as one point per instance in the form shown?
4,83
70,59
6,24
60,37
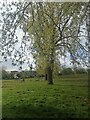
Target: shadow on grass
34,111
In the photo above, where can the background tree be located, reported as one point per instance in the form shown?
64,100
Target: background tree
5,74
66,71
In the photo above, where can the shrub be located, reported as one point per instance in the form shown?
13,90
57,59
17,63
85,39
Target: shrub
81,71
66,71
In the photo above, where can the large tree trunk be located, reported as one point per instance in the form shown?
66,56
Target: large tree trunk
50,66
49,75
45,76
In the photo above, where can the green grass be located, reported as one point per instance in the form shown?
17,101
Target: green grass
34,98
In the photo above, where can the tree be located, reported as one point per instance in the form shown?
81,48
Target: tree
81,71
5,74
52,27
88,28
66,71
55,27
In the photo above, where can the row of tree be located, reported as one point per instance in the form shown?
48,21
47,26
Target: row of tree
17,74
29,74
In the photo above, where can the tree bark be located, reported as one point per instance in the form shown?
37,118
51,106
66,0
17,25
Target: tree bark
45,76
49,75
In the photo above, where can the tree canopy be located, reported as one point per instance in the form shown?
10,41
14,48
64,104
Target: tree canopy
49,30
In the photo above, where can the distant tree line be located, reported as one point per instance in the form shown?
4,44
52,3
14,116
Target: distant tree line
17,75
69,71
29,74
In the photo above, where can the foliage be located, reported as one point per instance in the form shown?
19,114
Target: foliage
81,71
17,74
70,71
15,43
5,74
55,27
48,30
66,71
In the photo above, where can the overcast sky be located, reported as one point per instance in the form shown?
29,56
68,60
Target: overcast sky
9,67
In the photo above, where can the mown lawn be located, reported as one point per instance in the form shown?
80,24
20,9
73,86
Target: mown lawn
34,98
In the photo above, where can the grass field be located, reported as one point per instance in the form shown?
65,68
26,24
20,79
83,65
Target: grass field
34,98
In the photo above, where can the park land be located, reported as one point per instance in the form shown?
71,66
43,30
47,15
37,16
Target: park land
34,98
